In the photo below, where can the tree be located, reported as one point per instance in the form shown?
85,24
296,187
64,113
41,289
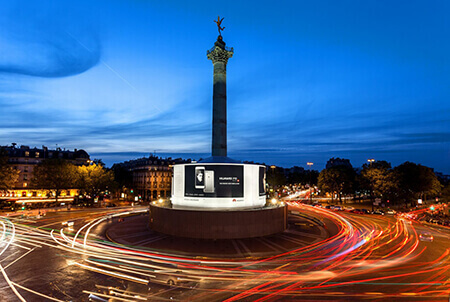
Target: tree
8,175
122,175
93,179
339,179
303,177
54,174
276,177
335,162
416,181
99,162
446,194
378,177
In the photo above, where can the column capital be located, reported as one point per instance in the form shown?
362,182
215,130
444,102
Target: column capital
219,54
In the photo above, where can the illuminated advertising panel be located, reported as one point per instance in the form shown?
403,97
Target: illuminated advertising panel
262,181
214,181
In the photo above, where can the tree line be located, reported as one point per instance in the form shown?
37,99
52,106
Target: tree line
8,175
55,175
403,184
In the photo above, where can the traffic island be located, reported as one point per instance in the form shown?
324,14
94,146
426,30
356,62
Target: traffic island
134,232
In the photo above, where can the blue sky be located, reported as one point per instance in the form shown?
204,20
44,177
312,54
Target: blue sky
309,80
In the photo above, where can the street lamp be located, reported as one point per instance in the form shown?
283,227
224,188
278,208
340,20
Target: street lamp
309,165
272,173
371,161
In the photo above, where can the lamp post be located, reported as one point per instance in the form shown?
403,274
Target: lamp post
310,193
370,161
273,167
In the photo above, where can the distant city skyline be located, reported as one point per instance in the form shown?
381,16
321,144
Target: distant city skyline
307,82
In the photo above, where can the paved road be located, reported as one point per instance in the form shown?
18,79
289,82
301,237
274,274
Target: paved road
354,257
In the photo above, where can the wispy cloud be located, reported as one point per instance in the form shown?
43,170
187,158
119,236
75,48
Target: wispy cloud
46,44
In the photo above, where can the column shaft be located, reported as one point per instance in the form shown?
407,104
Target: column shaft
219,56
219,130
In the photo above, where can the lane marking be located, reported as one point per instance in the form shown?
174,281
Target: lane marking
11,285
236,247
19,258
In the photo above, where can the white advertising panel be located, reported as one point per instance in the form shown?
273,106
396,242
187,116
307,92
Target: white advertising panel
218,186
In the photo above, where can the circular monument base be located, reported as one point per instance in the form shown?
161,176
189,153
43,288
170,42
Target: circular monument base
226,224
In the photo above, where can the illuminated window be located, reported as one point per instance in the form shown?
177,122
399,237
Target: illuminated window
27,153
25,184
37,154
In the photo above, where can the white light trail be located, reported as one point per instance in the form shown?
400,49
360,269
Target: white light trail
19,258
36,293
121,276
11,285
106,296
89,229
78,232
13,231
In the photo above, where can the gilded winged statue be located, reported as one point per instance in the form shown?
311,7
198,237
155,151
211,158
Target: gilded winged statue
218,22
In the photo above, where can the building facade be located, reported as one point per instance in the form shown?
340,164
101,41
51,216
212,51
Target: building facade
24,159
152,176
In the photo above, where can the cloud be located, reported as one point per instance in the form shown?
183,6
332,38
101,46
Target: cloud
46,44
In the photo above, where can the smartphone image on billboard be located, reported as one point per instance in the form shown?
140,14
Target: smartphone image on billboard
199,177
209,182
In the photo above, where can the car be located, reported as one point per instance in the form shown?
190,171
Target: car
348,208
365,211
391,212
336,208
378,212
411,216
357,211
426,236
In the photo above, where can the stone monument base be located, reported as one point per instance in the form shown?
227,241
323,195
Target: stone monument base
226,224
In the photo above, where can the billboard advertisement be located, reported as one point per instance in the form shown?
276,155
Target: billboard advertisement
214,181
262,181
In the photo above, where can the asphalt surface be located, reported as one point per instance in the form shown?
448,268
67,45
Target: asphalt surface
134,232
351,258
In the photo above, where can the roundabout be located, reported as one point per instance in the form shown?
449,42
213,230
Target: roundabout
351,257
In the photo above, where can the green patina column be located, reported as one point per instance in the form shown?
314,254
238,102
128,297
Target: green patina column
219,55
